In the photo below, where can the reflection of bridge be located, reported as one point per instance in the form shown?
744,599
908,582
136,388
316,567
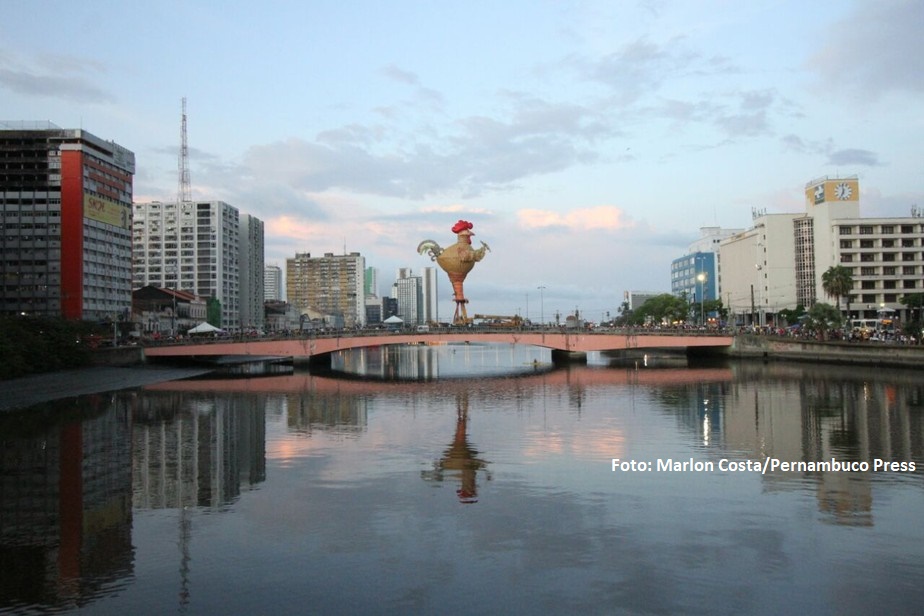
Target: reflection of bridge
577,376
564,345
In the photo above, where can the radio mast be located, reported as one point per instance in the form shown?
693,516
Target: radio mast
183,192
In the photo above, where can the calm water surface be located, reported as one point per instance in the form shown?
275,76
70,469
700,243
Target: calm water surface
470,479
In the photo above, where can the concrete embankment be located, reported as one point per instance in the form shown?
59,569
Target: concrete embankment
39,388
834,352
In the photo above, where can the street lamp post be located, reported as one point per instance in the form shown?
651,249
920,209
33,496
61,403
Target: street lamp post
702,292
541,307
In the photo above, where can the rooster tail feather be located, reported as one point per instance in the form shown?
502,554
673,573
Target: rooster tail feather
430,247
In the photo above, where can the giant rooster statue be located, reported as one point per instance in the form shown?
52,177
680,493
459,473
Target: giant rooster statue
457,261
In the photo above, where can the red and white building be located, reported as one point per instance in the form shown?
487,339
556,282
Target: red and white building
65,217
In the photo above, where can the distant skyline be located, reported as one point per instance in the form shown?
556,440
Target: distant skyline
587,141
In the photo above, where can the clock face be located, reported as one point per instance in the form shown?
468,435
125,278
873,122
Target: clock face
843,191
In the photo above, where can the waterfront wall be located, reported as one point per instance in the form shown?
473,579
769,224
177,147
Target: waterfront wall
834,352
117,356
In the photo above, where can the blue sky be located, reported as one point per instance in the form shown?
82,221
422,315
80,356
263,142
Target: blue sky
587,141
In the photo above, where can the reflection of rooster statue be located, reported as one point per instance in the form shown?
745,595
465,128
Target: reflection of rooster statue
457,261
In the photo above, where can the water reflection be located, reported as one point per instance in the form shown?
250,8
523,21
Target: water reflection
65,501
178,494
460,459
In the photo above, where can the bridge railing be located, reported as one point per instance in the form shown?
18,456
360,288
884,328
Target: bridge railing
437,331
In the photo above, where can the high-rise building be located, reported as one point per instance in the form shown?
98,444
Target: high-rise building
65,211
196,247
251,267
371,282
330,286
272,283
429,295
416,296
409,293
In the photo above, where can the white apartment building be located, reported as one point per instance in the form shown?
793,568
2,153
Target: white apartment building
758,269
417,296
194,247
272,283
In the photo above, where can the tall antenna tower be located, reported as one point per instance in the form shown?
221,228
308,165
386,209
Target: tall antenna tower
183,191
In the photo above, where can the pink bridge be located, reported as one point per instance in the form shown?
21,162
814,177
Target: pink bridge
564,345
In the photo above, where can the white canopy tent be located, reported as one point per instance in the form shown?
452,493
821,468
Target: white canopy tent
203,328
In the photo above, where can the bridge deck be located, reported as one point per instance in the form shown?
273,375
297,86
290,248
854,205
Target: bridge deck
557,341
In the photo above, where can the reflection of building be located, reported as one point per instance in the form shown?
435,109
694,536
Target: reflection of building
813,420
196,451
339,412
803,414
66,247
65,504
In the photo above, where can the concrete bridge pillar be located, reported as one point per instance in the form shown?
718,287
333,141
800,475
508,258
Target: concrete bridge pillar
560,358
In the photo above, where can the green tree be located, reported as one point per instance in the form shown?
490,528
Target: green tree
716,307
661,308
792,315
822,318
837,282
913,301
624,314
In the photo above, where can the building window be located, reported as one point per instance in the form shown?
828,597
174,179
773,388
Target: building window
868,298
846,243
888,256
888,243
846,258
907,228
866,229
866,243
909,270
868,271
846,230
909,284
887,229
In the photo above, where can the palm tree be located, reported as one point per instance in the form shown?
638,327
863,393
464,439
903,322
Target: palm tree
837,282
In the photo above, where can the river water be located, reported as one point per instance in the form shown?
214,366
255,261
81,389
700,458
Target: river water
472,479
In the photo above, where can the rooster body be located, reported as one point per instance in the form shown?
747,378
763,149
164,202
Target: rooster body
457,261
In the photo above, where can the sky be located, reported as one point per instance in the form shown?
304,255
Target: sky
588,142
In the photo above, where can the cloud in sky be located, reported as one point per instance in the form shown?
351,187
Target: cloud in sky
872,51
573,135
59,76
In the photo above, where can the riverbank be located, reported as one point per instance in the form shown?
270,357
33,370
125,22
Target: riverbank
774,348
36,389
